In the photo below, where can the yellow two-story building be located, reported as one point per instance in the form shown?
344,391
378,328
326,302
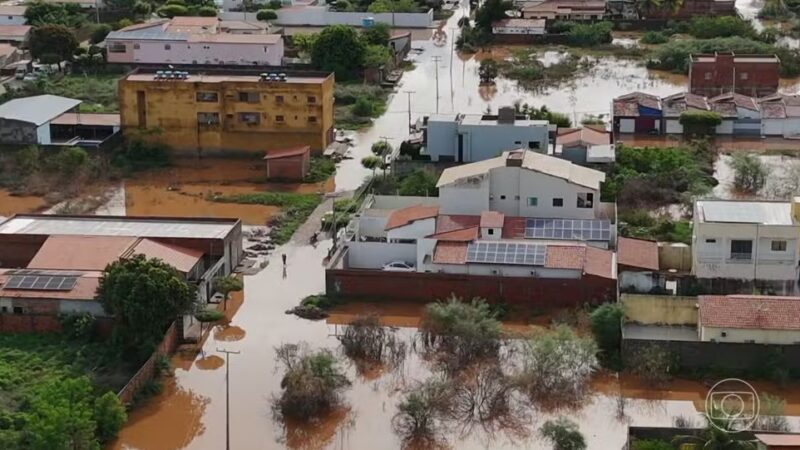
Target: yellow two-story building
227,111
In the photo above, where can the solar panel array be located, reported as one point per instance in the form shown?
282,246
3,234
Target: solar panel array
568,229
40,282
523,253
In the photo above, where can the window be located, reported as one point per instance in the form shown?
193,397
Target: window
778,246
116,47
4,309
517,142
502,197
207,97
534,145
167,47
278,99
558,202
136,46
533,201
708,75
249,118
490,231
312,99
741,249
586,200
248,97
207,118
724,334
312,119
743,76
711,241
279,119
18,310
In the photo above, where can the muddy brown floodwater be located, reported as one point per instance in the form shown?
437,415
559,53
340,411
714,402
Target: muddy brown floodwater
13,204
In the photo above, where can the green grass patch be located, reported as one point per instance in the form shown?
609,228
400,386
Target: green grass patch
295,209
356,104
320,170
98,92
638,223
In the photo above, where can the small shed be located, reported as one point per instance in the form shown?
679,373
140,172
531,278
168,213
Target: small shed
288,164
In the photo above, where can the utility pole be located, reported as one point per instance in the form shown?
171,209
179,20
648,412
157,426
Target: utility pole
408,93
436,60
228,395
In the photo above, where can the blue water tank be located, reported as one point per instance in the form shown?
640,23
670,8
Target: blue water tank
367,22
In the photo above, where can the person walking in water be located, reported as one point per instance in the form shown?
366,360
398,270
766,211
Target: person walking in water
283,256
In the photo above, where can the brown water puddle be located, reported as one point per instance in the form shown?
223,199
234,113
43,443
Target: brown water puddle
13,204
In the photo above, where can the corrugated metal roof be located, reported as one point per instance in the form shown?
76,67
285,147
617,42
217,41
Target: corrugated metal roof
537,162
118,226
38,109
764,213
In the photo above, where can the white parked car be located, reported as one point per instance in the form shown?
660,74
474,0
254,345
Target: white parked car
399,266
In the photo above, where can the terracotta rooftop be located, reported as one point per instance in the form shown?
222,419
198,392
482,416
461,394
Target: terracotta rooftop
95,119
462,235
450,253
12,10
774,441
80,252
492,219
14,30
637,253
287,152
565,257
583,135
628,104
599,263
404,216
84,289
181,258
452,222
750,312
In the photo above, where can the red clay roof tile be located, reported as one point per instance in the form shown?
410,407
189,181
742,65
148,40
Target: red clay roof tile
405,216
637,253
750,311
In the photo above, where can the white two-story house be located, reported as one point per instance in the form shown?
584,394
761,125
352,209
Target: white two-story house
757,241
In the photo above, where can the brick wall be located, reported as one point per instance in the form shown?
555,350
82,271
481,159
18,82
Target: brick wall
29,323
526,291
145,373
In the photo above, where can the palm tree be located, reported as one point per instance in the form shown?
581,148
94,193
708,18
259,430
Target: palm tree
718,435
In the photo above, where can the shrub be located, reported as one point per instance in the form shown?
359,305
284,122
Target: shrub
700,122
422,413
654,37
78,326
720,27
654,364
320,169
363,107
170,11
421,183
750,174
312,383
136,154
266,15
460,333
606,325
110,415
563,434
367,342
587,35
207,11
377,34
488,70
381,147
68,160
209,315
99,33
651,444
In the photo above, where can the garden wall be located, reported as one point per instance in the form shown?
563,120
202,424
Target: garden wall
44,323
145,373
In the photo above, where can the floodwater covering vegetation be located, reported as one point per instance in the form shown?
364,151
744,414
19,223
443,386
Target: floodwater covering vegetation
295,209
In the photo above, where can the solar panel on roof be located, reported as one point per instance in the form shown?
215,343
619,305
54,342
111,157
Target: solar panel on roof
41,282
522,253
568,229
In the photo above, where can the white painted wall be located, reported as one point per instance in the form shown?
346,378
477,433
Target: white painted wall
506,270
181,52
674,126
784,337
43,134
321,16
81,306
744,113
374,255
415,230
12,20
772,127
791,126
726,127
464,198
372,226
627,125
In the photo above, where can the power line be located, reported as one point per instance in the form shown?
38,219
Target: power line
228,395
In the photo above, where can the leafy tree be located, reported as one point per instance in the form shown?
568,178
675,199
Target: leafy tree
718,434
142,8
266,15
419,183
491,11
172,10
338,49
749,173
651,444
380,6
371,162
376,56
69,160
488,71
275,4
40,13
606,325
377,34
144,296
110,415
654,37
304,42
99,33
226,285
404,6
422,413
55,40
771,416
381,148
363,107
563,434
61,416
720,27
588,35
652,363
343,5
27,159
207,11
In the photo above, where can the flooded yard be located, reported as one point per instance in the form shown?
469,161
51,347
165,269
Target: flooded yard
13,204
782,182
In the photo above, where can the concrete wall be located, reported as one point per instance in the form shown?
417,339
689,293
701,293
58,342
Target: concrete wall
415,230
627,125
712,260
538,292
673,126
488,141
145,373
81,306
733,356
12,20
182,52
782,337
674,255
510,270
638,281
659,309
171,106
17,133
465,198
442,139
374,255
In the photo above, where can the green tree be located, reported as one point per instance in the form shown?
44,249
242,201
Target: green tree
27,159
376,56
491,11
338,49
207,11
143,296
69,160
266,15
226,285
749,173
371,162
343,5
61,416
110,415
304,43
55,40
588,35
381,148
275,4
363,107
380,6
99,33
378,34
40,13
563,434
422,413
142,8
606,325
718,435
419,183
488,71
170,11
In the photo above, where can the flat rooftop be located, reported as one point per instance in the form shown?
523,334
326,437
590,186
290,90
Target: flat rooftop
197,75
731,211
163,227
478,119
